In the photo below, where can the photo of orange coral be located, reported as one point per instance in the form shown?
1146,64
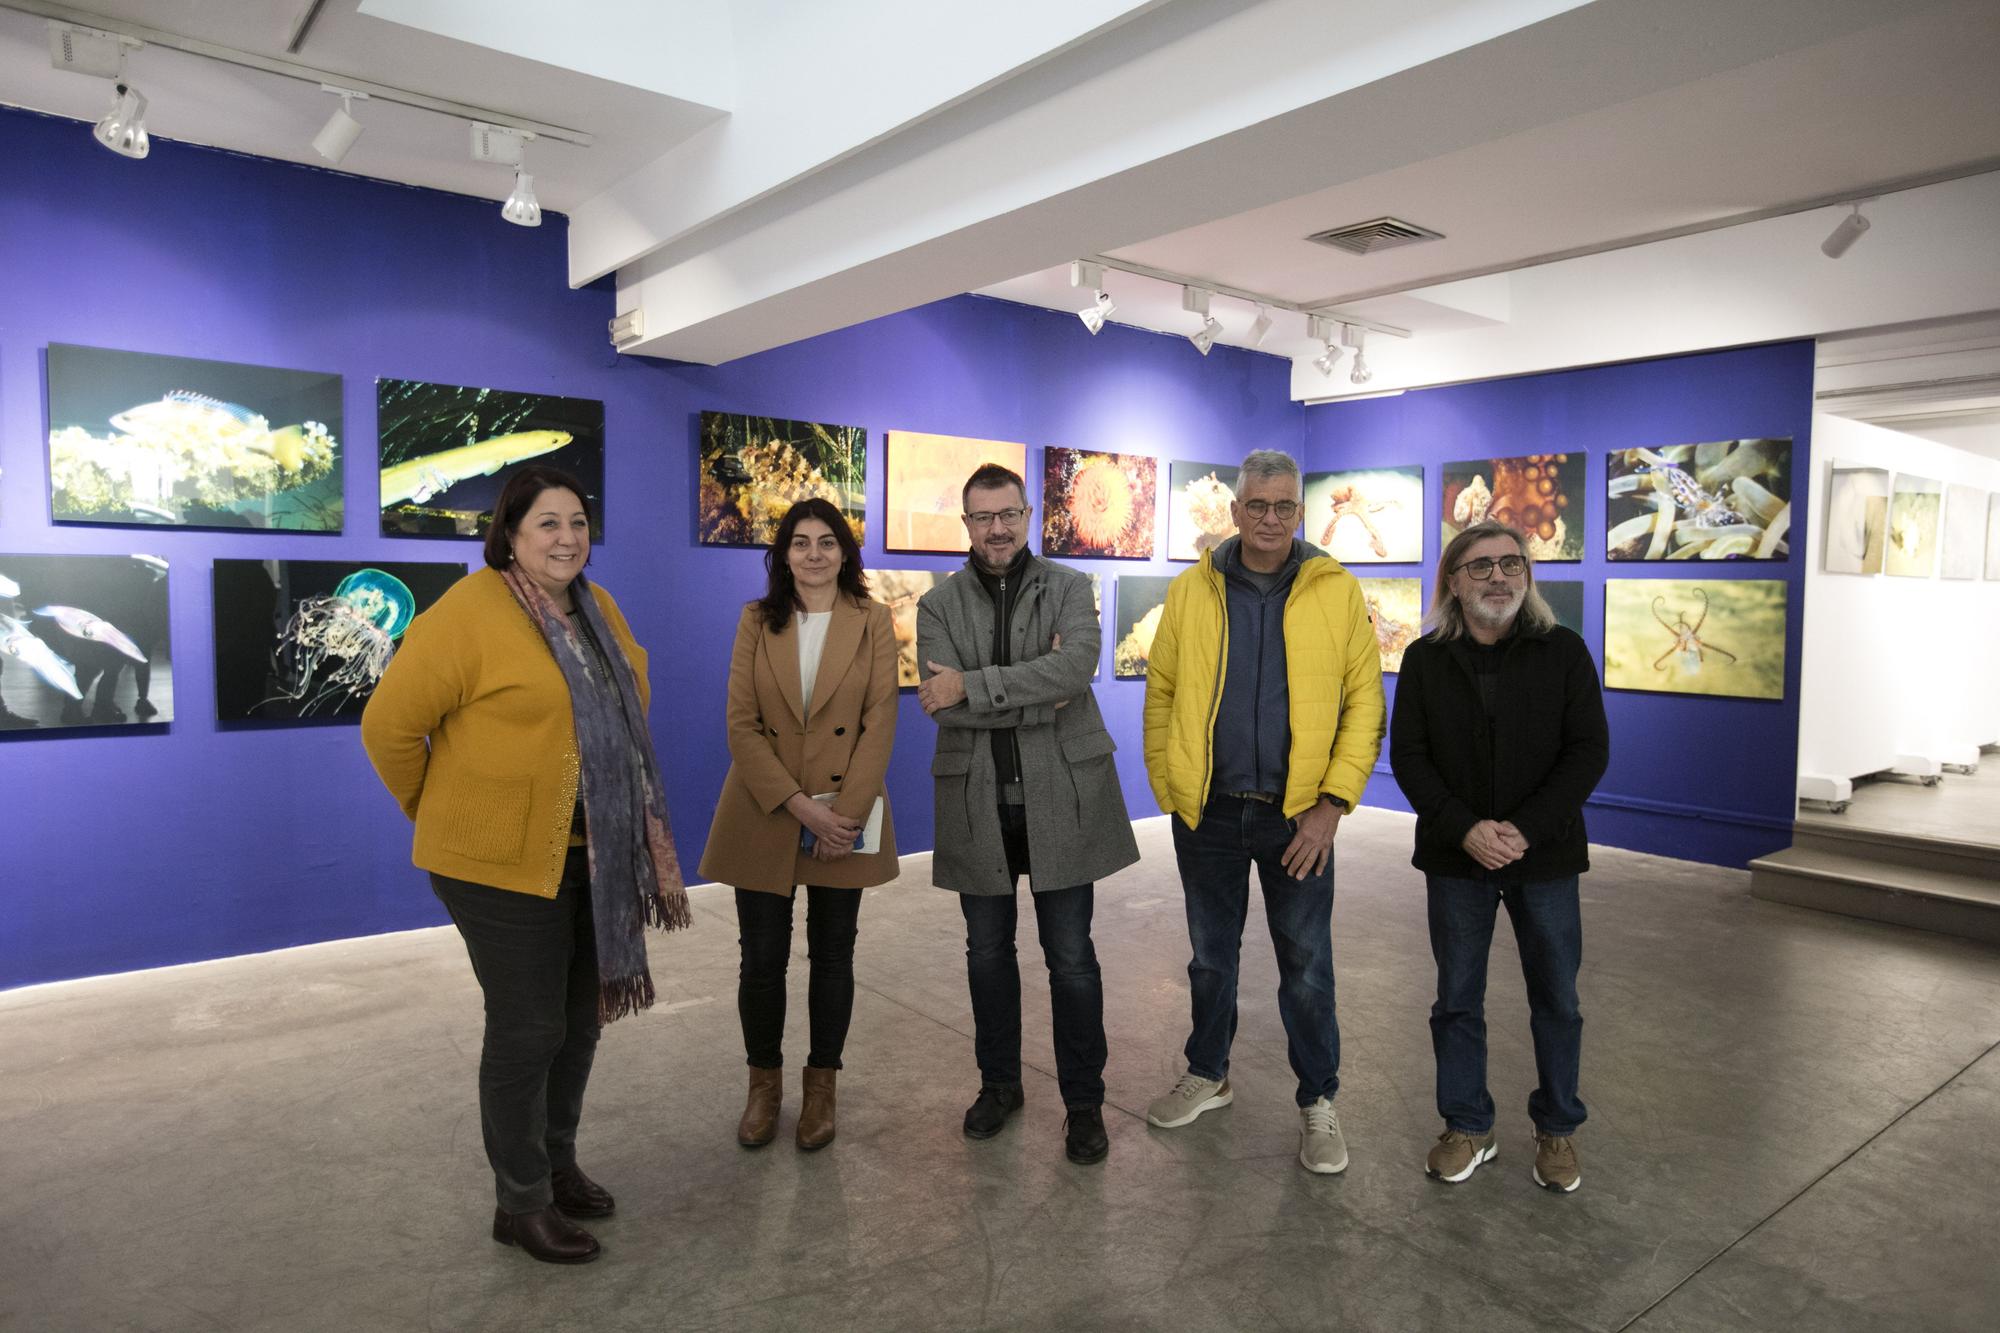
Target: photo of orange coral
1099,505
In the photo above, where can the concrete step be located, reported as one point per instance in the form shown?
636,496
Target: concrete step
1947,902
1917,851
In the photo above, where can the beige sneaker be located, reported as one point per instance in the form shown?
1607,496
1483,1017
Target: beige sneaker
1555,1163
1321,1147
1189,1098
1456,1155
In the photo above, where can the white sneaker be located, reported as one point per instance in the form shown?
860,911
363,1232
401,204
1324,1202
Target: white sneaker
1321,1147
1190,1097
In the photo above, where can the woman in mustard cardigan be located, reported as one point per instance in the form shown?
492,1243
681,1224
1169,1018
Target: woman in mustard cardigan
812,713
511,726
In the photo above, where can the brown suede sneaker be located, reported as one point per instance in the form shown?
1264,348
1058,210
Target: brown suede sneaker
1456,1155
1555,1163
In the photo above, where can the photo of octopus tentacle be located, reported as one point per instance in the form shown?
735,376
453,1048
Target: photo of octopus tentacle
1541,495
1723,500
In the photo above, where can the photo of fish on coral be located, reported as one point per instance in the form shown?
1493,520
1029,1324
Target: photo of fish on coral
1541,495
83,642
1696,636
755,468
310,638
1098,505
447,450
1369,517
1565,598
1198,517
144,440
1396,609
1724,500
1142,599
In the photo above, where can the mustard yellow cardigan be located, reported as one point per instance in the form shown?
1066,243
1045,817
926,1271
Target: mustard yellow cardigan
470,730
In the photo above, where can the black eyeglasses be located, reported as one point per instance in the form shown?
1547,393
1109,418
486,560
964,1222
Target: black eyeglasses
1513,566
985,518
1284,510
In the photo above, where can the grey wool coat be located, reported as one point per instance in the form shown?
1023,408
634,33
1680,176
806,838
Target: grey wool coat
1078,831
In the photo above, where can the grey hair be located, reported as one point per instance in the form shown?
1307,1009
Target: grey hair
1447,618
1268,463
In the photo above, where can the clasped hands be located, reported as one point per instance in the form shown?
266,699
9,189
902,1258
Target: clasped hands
946,685
833,833
1494,843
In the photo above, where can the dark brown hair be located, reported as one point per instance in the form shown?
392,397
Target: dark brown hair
990,475
780,598
517,496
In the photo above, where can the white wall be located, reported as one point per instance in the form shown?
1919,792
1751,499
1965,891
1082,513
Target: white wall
1893,665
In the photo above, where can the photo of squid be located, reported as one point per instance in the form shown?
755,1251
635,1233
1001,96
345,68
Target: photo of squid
1099,505
446,450
1696,636
1963,548
1198,515
1396,610
1723,500
752,469
1857,520
1142,600
83,642
303,639
923,495
143,440
1540,495
1367,517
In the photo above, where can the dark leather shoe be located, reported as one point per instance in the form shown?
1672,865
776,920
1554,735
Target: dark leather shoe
816,1112
1084,1139
760,1111
580,1196
995,1103
546,1235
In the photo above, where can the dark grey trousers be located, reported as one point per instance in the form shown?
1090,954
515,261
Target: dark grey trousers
536,960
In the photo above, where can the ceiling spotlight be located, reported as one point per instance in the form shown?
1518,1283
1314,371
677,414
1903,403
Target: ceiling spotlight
522,208
1258,328
1203,338
1093,317
1351,336
123,131
1842,238
1327,360
1083,273
341,129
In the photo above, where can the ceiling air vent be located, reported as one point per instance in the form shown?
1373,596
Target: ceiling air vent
1365,238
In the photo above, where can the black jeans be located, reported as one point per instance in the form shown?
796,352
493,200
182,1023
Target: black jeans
765,920
1076,986
536,960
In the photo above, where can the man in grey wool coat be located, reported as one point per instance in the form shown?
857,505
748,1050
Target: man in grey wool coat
1025,786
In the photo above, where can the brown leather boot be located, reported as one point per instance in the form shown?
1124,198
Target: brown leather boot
759,1124
546,1235
816,1115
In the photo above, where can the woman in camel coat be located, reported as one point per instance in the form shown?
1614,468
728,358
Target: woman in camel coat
812,712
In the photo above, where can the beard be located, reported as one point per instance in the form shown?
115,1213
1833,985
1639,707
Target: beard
1493,615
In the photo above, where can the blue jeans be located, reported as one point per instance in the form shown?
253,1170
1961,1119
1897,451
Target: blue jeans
1549,930
1215,862
1076,989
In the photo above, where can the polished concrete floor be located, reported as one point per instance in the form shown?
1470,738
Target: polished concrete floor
1793,1126
1958,807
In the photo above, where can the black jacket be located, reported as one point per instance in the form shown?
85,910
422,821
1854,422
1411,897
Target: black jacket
1534,764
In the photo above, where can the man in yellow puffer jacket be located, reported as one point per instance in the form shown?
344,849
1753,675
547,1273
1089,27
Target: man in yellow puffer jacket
1264,716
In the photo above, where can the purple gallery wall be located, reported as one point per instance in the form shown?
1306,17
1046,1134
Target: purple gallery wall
171,844
1708,779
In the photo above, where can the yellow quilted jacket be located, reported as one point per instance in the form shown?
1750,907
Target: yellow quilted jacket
1332,668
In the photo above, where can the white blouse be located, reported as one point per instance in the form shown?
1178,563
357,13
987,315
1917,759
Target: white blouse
812,642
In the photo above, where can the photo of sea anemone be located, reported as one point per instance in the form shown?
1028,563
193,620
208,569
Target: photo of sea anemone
1369,516
753,469
1723,500
1915,506
1565,598
1696,636
1964,542
1540,495
1198,517
1098,505
142,440
1142,599
311,638
900,590
924,489
447,450
1396,610
1857,520
84,642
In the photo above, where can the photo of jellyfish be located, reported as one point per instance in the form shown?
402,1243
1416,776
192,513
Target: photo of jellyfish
923,493
1369,517
1857,520
1142,599
1696,636
1915,506
1565,598
1396,609
447,450
1198,517
752,469
83,642
310,638
1963,548
1098,505
1541,495
1724,500
144,440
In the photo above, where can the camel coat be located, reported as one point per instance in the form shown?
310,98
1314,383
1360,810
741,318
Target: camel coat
776,749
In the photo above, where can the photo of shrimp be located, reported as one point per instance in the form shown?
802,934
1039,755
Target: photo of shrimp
1541,495
1724,500
1098,504
1198,517
1696,636
1396,609
1367,517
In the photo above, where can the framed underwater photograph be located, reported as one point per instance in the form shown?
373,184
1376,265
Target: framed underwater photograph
1396,610
1098,505
1723,500
84,642
1142,599
1962,549
1857,520
1565,598
1696,636
1916,508
900,590
448,449
142,440
1540,495
311,638
1198,500
925,484
753,469
1367,516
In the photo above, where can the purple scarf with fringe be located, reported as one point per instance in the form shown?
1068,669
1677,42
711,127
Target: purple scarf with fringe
635,877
